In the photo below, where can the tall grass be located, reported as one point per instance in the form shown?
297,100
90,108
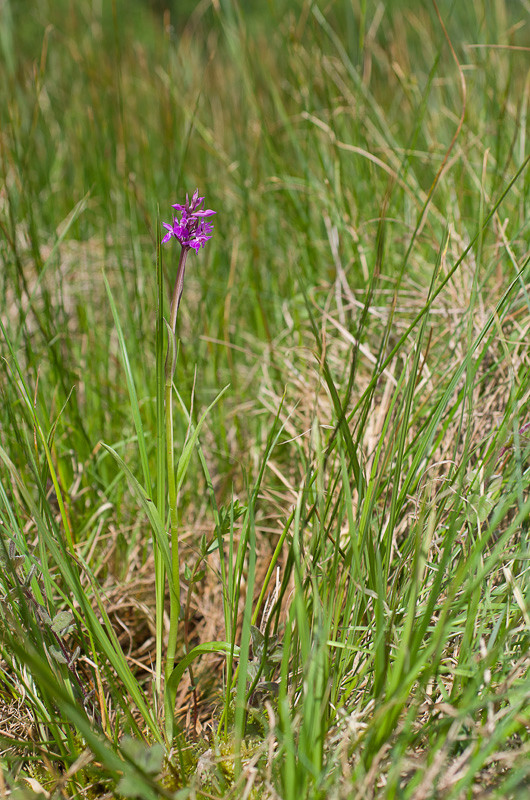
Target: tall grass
353,509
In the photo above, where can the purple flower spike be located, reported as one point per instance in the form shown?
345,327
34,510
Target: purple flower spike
191,230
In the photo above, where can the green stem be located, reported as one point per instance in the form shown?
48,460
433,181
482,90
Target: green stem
160,572
174,614
174,608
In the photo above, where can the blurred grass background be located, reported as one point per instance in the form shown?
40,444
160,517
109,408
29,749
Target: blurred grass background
316,131
124,107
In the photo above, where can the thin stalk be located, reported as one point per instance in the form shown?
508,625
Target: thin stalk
160,573
177,294
174,612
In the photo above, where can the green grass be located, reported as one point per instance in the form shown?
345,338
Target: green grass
350,401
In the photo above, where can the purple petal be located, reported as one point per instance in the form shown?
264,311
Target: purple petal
206,213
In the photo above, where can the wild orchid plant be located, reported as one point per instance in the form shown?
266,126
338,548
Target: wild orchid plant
192,231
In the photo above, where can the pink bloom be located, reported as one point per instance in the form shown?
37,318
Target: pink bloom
192,229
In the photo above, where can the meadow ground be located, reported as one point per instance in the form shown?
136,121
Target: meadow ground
297,566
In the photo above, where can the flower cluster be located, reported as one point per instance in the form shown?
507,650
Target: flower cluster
192,230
